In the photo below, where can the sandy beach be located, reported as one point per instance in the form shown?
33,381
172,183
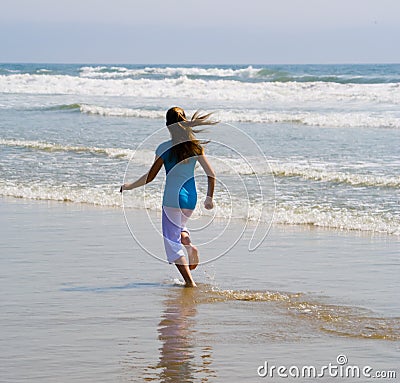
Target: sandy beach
81,301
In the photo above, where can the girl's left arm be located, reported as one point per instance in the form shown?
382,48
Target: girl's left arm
208,203
146,178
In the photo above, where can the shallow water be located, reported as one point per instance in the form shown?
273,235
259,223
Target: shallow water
80,301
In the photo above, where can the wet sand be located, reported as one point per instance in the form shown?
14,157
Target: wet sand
82,301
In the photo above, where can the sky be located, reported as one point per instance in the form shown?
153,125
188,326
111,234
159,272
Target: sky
200,32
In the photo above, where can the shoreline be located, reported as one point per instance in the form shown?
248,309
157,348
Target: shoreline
288,249
251,222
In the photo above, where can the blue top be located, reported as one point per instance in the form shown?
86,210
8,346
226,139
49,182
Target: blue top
180,187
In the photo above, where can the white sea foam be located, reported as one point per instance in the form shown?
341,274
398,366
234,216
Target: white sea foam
54,147
121,72
11,70
324,172
248,73
197,89
101,196
107,195
342,219
122,112
331,119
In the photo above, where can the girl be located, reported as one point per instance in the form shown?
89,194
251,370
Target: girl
179,156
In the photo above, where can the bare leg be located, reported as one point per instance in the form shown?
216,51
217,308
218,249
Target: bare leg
192,251
183,268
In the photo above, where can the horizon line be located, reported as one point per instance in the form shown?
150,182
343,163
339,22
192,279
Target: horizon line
195,64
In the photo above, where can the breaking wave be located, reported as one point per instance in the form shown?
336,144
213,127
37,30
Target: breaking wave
199,89
316,172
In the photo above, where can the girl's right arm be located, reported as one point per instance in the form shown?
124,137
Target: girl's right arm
208,204
146,178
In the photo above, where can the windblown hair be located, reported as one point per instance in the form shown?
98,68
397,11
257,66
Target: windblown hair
185,143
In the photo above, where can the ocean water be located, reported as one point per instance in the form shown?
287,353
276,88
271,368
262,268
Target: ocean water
308,170
327,136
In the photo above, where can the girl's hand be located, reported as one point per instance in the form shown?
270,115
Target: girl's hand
208,203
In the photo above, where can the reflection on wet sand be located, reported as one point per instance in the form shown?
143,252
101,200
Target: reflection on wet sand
177,332
187,343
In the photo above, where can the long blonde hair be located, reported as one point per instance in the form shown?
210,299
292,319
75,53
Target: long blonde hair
185,143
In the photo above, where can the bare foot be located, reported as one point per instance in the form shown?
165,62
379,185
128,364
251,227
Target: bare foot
183,268
193,254
189,284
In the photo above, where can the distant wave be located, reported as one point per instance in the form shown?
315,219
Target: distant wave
321,172
63,107
8,71
122,72
331,119
340,74
122,112
321,118
200,89
248,73
108,195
